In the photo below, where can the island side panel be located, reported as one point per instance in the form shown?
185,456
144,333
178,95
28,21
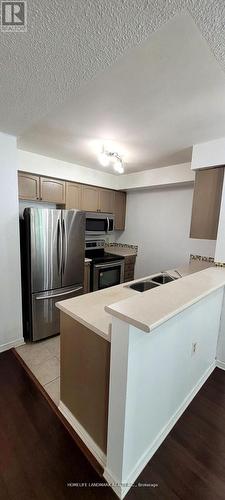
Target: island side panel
221,340
153,378
85,365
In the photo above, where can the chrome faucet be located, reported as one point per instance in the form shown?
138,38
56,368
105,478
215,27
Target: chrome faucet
175,270
170,275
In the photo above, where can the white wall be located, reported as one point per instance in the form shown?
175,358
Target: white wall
208,154
220,244
10,291
43,165
165,176
171,175
158,221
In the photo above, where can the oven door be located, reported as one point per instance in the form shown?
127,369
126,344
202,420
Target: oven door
110,274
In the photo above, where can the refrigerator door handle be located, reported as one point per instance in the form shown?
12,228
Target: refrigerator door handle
65,245
59,246
45,297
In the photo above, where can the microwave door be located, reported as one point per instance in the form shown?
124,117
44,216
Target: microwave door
96,225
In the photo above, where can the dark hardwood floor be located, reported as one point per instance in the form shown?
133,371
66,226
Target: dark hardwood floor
38,456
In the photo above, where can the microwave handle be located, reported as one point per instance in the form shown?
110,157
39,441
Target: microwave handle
107,230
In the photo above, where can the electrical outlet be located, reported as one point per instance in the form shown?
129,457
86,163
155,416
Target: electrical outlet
194,348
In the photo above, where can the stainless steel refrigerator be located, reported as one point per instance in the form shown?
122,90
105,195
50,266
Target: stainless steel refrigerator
52,263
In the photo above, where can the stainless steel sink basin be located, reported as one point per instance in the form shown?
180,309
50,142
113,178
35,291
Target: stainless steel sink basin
142,286
161,279
147,284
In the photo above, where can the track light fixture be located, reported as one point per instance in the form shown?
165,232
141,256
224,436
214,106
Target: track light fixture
109,157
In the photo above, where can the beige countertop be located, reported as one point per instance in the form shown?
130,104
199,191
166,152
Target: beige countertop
150,309
121,251
90,310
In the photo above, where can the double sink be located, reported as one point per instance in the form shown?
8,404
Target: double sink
160,279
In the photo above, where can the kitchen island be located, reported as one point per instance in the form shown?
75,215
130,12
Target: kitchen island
132,362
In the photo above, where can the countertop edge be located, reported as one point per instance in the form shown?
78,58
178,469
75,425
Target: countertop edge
137,324
149,328
91,327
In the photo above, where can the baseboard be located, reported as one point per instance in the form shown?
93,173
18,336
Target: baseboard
83,434
220,364
10,345
121,490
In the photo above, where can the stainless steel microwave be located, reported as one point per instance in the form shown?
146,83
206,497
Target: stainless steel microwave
99,223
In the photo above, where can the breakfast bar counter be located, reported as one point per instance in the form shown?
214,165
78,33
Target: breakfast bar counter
94,310
123,350
150,309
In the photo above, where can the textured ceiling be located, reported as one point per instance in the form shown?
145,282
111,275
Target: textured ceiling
150,106
69,43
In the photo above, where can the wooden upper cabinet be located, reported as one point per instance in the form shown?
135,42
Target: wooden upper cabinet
90,198
206,203
73,195
52,190
106,201
120,210
28,186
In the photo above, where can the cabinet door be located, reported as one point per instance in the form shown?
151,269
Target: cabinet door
86,277
73,196
52,190
206,203
28,186
90,198
120,210
106,200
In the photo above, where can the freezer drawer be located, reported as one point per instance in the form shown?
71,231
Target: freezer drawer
45,316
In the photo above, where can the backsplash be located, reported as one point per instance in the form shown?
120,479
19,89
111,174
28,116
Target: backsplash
207,259
121,245
201,258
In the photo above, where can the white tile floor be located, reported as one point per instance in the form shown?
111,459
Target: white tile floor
43,359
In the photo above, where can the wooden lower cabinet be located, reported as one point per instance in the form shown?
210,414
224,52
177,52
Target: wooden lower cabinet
84,373
129,265
73,196
52,190
87,268
28,186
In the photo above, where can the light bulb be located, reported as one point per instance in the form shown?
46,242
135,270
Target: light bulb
118,167
103,159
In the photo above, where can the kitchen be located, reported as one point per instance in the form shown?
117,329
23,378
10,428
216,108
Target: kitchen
81,316
113,283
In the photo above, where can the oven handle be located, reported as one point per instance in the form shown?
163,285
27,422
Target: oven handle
113,264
